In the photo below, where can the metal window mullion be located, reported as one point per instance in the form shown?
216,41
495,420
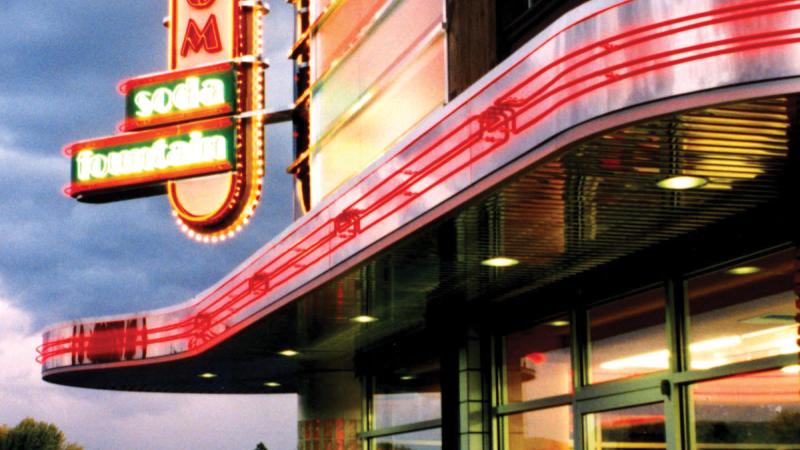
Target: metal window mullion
534,405
759,365
367,411
497,389
580,368
678,406
401,429
579,341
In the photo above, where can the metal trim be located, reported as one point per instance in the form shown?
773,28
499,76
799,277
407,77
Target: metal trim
401,429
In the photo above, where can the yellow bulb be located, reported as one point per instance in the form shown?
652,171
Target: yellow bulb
364,319
682,183
500,261
744,270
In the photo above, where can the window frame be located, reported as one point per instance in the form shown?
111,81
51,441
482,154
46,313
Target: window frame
672,386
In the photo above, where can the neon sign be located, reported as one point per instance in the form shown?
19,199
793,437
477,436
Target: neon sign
179,96
186,141
142,159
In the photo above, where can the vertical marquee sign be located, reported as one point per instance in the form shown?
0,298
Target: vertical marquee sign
194,132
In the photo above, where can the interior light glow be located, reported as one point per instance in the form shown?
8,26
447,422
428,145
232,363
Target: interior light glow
407,377
681,183
272,384
289,353
744,270
500,261
653,360
364,319
558,323
708,363
207,375
715,344
791,369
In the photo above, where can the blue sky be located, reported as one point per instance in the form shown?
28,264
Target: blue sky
59,260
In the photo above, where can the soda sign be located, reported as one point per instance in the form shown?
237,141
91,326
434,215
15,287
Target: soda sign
179,96
142,161
195,133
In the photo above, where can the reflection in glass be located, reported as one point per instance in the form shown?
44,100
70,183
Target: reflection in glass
628,337
420,440
538,362
379,68
754,411
407,395
637,428
547,429
743,313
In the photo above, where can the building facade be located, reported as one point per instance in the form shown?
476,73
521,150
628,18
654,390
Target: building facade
521,225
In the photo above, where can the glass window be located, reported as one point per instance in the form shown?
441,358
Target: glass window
546,429
419,440
636,428
743,313
538,362
406,396
416,91
379,69
339,32
754,411
628,337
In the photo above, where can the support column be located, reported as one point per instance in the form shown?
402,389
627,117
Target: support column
329,412
467,401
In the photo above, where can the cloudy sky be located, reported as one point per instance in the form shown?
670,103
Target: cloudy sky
60,63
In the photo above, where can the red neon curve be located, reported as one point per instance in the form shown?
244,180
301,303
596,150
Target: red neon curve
488,130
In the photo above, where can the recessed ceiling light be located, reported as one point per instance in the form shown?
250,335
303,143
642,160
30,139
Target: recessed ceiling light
207,375
744,270
500,261
364,319
272,384
681,183
558,323
289,353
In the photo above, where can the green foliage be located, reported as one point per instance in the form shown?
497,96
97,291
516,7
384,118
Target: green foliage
261,446
32,435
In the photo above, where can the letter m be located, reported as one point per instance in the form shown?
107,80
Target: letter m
196,40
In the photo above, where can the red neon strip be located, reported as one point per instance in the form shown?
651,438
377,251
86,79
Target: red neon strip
155,78
149,135
295,262
486,152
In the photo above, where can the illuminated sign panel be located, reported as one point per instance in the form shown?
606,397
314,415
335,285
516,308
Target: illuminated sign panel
202,31
153,157
197,131
179,96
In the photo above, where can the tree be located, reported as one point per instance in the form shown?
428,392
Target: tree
32,435
261,446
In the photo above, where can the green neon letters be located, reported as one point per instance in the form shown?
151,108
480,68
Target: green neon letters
158,159
201,95
185,96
